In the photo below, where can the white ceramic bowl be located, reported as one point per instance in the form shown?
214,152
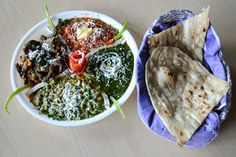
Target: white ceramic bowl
42,28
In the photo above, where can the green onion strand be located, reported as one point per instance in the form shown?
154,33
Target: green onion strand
50,23
125,24
118,108
14,93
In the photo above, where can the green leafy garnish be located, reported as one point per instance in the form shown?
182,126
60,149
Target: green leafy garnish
51,24
63,22
118,108
17,91
125,24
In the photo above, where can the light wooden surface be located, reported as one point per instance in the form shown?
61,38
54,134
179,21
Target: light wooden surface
21,135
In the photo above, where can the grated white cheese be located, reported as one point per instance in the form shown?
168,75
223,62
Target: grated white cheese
71,99
33,54
46,46
111,65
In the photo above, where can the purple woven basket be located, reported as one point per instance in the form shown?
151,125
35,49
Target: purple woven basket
213,61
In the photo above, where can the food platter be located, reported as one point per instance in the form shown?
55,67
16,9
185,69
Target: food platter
42,28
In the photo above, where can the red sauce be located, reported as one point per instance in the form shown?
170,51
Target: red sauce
102,35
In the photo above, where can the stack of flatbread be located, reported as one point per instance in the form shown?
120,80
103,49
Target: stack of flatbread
181,89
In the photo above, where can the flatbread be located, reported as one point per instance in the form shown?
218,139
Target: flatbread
189,36
181,90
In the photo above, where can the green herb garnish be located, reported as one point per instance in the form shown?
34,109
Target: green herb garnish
51,24
118,108
17,91
125,24
63,22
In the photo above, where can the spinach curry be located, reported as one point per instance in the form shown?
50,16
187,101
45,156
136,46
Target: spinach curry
112,69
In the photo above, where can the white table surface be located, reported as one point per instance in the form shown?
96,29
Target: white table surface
22,135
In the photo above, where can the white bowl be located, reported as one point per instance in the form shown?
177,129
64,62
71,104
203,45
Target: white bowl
42,28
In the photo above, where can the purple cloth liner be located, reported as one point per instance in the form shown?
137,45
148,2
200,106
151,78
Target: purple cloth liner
213,61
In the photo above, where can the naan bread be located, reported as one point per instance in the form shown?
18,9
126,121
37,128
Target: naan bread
189,36
182,91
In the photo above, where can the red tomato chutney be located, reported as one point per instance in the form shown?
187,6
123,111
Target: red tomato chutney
100,33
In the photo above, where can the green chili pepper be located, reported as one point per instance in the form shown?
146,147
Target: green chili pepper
17,91
125,24
118,108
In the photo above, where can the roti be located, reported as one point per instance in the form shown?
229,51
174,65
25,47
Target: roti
189,36
181,90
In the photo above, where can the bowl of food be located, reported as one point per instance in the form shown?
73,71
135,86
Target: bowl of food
184,85
78,71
